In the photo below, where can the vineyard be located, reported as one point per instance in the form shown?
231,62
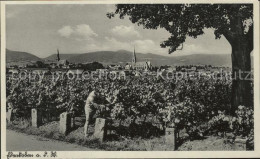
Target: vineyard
141,107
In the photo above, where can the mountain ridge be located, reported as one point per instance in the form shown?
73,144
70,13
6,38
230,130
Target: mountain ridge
123,57
16,56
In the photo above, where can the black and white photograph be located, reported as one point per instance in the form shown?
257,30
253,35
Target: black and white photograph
84,76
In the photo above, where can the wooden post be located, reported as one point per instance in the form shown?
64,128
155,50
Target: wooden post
100,129
65,123
36,118
170,138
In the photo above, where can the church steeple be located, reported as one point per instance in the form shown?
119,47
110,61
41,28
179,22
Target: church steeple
58,55
134,58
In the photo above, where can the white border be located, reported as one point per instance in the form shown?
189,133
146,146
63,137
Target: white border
140,154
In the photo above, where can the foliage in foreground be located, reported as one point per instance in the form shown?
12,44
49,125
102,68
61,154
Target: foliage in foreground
199,107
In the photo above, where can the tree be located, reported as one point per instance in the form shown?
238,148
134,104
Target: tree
233,21
39,64
94,66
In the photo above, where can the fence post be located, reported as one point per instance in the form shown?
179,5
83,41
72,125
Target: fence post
240,144
100,129
9,115
170,137
73,124
65,123
36,118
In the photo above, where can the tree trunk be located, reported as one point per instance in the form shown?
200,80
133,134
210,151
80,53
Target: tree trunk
241,68
242,45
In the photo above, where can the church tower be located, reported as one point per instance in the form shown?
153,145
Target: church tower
133,58
58,55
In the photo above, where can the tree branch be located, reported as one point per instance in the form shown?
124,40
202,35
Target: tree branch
229,37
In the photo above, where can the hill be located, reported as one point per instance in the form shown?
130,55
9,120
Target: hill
123,57
62,57
105,57
17,56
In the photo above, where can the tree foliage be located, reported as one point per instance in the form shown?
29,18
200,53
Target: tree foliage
233,21
93,66
182,20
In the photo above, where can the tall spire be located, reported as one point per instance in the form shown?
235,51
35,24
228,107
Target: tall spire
58,55
134,57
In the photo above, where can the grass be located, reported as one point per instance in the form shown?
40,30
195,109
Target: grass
51,131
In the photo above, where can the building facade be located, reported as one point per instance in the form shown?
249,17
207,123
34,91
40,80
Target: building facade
142,65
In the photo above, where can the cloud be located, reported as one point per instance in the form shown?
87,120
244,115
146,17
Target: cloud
85,31
78,32
191,48
66,31
125,31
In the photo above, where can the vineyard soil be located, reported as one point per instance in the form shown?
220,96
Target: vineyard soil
35,143
51,131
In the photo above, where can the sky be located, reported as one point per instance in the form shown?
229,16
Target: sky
41,29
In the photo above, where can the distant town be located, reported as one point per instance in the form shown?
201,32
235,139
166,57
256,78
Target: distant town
134,67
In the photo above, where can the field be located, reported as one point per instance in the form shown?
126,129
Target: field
140,109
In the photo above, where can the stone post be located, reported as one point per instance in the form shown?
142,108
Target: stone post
73,124
170,137
36,118
65,123
100,129
240,144
9,115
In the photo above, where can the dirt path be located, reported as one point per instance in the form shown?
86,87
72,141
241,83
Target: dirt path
16,141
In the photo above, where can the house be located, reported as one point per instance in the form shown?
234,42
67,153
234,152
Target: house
115,67
13,71
20,64
143,65
171,69
75,71
193,68
128,67
59,63
63,64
